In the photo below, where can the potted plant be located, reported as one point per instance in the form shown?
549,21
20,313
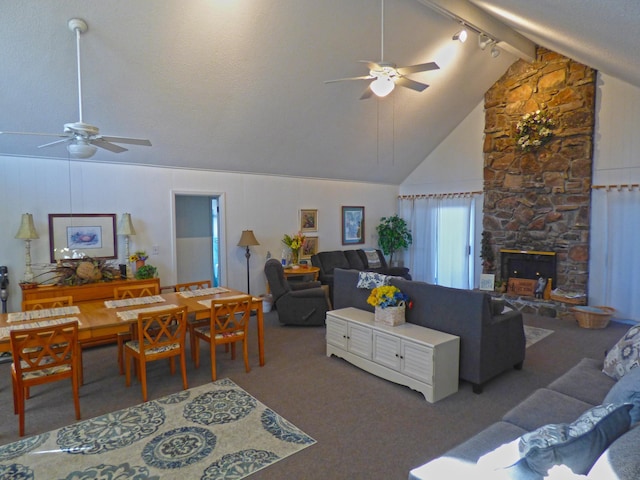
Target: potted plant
486,253
146,271
393,234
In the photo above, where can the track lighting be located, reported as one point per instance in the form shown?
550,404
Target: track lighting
461,36
495,52
483,41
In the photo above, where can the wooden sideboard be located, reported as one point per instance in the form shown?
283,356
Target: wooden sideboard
84,293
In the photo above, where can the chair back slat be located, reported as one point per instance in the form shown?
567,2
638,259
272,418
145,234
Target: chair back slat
231,315
199,285
43,303
136,291
162,328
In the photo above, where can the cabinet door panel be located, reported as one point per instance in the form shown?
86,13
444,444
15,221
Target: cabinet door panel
360,340
417,362
386,350
337,332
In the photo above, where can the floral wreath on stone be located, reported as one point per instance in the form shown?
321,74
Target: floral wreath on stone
534,130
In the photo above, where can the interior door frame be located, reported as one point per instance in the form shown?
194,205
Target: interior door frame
222,224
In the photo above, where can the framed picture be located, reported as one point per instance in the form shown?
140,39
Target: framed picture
487,281
352,225
308,220
77,235
309,247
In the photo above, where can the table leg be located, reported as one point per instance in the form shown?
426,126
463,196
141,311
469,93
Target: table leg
260,320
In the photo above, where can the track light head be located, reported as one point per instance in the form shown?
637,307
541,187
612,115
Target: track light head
461,36
495,52
483,41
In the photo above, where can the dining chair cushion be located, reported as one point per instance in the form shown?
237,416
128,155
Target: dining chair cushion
206,331
135,345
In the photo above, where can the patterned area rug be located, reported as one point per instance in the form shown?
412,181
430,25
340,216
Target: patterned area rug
535,334
209,432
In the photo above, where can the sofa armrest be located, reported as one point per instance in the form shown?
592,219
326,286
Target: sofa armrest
304,285
308,293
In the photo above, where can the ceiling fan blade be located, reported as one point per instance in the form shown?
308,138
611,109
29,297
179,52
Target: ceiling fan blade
34,133
423,67
364,77
55,143
412,84
367,93
129,141
102,143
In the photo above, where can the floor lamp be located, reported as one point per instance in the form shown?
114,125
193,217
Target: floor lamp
247,239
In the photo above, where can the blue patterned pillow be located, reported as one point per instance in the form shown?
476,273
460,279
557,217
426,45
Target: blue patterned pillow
627,390
372,280
625,355
577,445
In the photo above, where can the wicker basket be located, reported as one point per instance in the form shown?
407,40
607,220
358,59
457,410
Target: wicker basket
593,317
391,316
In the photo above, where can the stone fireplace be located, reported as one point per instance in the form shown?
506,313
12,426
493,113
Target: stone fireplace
540,200
528,265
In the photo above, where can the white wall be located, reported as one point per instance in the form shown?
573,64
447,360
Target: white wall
268,205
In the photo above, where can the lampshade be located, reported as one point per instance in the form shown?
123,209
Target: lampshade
382,86
125,227
81,149
247,239
27,230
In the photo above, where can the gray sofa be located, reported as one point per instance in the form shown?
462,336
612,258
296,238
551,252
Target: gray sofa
357,259
562,401
489,343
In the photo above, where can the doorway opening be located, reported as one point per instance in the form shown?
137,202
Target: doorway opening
198,238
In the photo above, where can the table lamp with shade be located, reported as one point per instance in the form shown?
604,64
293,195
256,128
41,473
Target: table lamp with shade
125,229
27,232
248,239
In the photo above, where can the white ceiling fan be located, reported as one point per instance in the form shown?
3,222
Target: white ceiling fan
385,76
82,139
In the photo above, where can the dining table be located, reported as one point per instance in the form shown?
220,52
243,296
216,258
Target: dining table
102,318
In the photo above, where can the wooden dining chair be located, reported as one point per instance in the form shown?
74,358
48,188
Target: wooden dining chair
43,303
228,324
53,302
160,334
131,291
192,321
42,355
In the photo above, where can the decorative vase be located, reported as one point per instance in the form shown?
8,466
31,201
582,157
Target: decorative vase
295,256
139,263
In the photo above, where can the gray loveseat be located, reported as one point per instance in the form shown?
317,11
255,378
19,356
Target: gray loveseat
489,343
562,401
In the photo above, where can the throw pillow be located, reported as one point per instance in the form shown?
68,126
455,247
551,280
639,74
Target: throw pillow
627,390
625,355
373,260
371,280
577,445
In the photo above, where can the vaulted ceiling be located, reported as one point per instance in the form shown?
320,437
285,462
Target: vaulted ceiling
238,85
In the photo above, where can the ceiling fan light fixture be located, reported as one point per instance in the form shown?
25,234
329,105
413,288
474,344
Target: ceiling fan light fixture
382,86
81,149
461,36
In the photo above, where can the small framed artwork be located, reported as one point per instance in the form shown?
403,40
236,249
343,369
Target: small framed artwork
309,247
77,235
352,225
487,281
308,220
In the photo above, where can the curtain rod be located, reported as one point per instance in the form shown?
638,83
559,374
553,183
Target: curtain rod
439,195
628,186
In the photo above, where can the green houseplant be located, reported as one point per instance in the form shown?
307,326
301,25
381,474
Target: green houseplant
393,234
146,271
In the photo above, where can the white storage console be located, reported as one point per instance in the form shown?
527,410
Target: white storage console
423,359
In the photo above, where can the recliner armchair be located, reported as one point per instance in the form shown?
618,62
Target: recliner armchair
298,303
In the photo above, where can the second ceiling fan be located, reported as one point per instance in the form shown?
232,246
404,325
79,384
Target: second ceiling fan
385,76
